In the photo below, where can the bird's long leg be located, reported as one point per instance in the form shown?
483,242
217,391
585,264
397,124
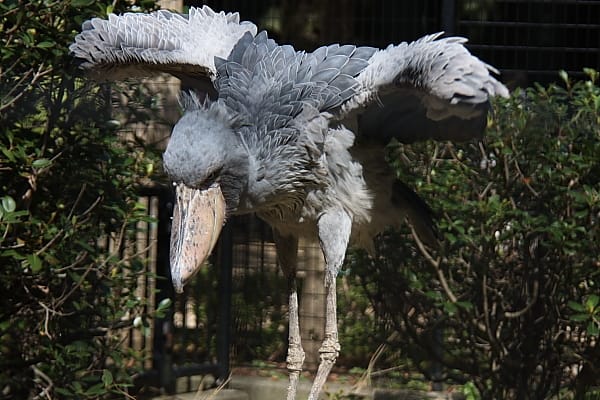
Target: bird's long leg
334,233
287,252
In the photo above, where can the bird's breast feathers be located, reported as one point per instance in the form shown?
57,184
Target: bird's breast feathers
330,179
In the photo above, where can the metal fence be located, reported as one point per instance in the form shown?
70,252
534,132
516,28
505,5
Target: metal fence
531,40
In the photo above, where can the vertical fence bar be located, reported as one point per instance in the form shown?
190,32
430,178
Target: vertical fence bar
225,265
448,20
449,17
162,353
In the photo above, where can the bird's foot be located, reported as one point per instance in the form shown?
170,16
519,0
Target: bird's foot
295,357
330,350
294,360
328,353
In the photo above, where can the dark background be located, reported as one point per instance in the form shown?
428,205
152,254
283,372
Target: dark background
528,40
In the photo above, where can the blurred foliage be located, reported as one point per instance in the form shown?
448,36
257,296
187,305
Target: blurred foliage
357,324
67,181
514,289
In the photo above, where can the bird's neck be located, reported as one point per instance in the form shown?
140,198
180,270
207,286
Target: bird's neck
235,179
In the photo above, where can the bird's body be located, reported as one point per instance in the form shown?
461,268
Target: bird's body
272,131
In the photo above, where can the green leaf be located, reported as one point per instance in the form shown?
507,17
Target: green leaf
4,325
592,302
564,76
41,163
467,305
77,386
592,73
96,390
450,308
164,304
63,391
573,305
162,308
593,329
579,317
149,168
9,154
107,378
8,204
13,254
45,45
433,294
81,3
34,262
15,215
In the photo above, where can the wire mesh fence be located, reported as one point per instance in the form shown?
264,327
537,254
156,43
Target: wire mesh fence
528,40
531,40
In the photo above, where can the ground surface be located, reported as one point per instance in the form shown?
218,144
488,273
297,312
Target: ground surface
250,383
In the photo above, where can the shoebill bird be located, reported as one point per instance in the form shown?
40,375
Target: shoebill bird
296,137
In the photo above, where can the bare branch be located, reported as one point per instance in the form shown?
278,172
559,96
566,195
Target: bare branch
525,180
38,74
530,303
46,392
486,310
435,264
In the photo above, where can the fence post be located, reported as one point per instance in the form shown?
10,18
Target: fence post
225,265
449,27
449,17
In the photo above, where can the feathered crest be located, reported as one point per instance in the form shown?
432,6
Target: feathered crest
191,101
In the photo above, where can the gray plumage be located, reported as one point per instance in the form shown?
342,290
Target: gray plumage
278,134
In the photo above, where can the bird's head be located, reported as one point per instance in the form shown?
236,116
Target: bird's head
208,168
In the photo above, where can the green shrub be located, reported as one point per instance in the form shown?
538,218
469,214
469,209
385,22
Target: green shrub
514,289
67,181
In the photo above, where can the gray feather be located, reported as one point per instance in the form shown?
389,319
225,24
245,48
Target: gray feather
429,89
325,75
131,45
354,66
336,61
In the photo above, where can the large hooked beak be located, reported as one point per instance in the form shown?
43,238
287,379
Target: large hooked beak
198,217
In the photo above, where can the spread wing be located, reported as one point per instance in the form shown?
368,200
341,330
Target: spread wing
432,88
136,44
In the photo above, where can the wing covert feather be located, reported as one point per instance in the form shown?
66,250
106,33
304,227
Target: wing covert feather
139,44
